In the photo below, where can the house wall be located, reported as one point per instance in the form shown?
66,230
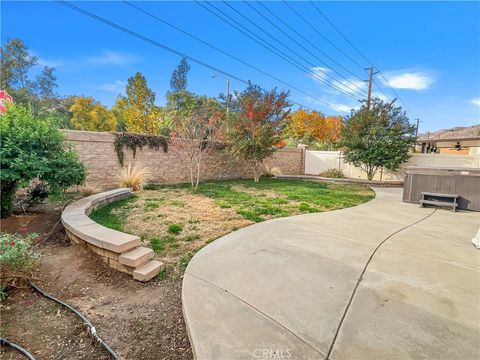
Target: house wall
469,147
320,161
97,152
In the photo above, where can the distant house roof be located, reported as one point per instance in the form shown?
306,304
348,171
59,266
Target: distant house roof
456,134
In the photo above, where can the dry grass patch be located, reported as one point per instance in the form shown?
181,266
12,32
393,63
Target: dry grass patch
156,211
176,222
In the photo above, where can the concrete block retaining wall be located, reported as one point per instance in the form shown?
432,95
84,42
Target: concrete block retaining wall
96,150
118,250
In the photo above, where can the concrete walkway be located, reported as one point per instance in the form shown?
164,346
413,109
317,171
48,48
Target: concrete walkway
282,289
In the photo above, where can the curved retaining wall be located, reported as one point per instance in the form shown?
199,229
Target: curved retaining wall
119,250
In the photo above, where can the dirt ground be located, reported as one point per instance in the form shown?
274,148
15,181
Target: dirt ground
138,321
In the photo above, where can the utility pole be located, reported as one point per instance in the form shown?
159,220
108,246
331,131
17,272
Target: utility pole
416,135
228,93
370,80
228,97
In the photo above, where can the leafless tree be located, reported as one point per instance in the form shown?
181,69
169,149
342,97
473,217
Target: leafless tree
194,137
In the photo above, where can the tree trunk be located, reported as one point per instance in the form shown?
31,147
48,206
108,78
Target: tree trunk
371,170
256,173
198,178
192,182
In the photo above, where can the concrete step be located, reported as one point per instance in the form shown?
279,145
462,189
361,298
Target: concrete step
148,271
136,257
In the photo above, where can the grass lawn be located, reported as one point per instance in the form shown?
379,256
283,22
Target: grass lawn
176,223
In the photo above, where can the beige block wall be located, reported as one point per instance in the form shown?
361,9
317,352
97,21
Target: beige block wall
97,152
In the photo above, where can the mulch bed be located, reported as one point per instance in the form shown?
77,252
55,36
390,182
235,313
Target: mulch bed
138,321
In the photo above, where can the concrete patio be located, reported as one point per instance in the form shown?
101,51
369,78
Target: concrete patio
283,288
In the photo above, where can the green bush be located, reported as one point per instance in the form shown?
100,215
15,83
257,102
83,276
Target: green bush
17,260
174,229
33,147
333,173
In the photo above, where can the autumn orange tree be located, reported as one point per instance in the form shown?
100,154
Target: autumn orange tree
313,127
254,123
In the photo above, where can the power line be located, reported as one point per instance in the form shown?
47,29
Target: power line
338,30
314,46
351,44
221,51
306,40
164,47
266,45
323,36
300,45
362,55
309,71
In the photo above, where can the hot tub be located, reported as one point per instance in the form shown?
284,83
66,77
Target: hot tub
464,182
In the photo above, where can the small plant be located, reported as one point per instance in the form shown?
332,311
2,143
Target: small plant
88,190
159,245
134,176
17,260
184,260
332,173
272,171
178,203
192,237
163,274
151,205
174,229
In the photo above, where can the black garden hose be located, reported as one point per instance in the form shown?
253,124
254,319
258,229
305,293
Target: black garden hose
58,222
5,342
91,328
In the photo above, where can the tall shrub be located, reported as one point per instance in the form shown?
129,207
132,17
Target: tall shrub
253,126
32,147
377,136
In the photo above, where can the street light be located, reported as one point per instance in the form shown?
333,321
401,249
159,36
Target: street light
228,92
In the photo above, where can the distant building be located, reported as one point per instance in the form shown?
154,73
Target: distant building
457,141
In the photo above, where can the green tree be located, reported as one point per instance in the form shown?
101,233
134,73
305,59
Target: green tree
88,114
16,63
139,112
253,127
39,94
45,85
63,113
118,110
376,136
33,147
178,80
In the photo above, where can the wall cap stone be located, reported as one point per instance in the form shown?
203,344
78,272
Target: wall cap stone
119,250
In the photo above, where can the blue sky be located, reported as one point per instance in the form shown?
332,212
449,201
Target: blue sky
429,52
